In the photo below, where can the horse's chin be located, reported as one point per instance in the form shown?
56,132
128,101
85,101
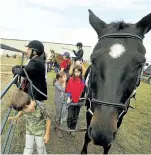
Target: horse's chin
102,144
100,138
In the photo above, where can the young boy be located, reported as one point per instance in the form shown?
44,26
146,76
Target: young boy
37,123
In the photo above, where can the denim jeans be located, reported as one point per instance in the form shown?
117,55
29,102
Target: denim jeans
30,141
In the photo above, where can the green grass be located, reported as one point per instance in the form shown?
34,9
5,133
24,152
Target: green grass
51,74
14,61
134,134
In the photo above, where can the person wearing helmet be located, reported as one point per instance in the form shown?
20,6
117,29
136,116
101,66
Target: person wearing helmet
35,69
78,54
65,64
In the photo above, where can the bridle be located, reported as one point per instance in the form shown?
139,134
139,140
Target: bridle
120,35
122,106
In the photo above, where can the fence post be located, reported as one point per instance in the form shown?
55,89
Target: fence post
8,86
5,119
6,138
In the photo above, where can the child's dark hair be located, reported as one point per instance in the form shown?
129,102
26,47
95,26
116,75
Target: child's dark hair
60,75
79,68
19,100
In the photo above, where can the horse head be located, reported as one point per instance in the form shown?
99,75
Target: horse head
117,59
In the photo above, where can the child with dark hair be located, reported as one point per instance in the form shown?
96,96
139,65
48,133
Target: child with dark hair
38,124
75,87
60,97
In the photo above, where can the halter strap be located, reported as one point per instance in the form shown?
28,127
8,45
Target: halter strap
121,35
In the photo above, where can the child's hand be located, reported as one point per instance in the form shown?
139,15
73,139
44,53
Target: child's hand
46,138
13,119
64,85
68,100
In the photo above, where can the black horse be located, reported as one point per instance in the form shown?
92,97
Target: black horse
117,61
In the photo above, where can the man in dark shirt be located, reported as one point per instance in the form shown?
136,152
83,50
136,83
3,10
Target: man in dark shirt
78,54
35,69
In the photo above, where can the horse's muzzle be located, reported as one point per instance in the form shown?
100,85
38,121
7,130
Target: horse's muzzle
100,137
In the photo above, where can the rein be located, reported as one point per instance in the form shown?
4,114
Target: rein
121,35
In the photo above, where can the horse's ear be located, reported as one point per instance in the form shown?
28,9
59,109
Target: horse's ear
96,22
144,24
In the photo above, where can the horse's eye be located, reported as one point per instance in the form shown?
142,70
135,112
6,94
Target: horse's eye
138,67
93,61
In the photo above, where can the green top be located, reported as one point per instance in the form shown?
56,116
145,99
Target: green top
35,122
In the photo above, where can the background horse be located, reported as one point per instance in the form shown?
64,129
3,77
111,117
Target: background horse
54,61
117,61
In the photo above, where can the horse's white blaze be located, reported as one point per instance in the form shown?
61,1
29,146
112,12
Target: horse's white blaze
116,50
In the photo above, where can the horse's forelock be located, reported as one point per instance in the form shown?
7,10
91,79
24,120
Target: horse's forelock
120,25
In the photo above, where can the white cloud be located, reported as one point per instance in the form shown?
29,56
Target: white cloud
23,19
121,5
104,5
16,15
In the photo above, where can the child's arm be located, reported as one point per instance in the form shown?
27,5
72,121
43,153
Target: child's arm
62,70
59,87
15,118
68,87
48,129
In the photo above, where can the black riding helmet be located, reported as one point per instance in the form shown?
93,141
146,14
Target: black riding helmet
37,46
79,44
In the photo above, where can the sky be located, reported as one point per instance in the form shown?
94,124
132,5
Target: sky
66,21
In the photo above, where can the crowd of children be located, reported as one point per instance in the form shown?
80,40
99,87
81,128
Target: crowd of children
68,89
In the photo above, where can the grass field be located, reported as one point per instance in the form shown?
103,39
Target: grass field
134,135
